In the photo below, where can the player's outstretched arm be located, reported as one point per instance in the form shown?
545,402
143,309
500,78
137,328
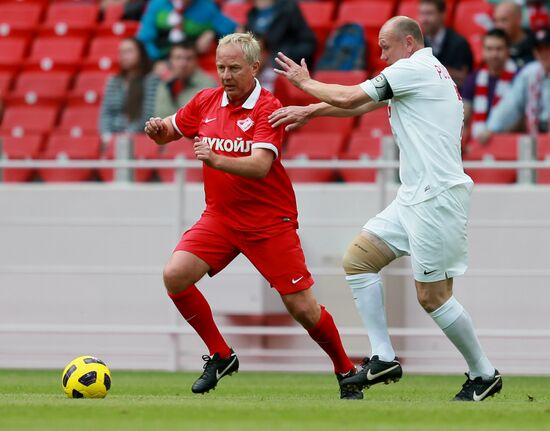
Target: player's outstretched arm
161,130
257,165
341,96
296,116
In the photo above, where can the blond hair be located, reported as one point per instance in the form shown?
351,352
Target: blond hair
249,45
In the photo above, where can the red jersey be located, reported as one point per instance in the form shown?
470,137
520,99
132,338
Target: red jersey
263,206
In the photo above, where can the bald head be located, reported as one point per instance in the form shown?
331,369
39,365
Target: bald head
400,37
403,26
507,17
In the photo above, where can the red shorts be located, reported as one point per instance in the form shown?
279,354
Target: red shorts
279,258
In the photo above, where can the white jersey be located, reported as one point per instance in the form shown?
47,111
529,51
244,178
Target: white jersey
426,116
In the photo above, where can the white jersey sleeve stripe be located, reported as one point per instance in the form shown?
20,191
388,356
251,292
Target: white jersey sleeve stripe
267,146
175,125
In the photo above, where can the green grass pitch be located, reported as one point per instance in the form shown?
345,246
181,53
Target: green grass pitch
34,400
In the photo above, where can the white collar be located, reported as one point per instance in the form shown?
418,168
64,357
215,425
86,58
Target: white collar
250,102
423,51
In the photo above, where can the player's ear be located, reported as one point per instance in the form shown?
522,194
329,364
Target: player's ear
255,68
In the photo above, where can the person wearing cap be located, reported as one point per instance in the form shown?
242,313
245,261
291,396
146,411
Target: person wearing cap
527,105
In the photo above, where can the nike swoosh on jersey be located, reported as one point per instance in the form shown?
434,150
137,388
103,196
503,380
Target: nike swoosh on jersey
208,120
371,376
297,280
220,375
484,394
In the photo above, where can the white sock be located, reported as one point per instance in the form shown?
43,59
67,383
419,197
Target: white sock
457,325
368,294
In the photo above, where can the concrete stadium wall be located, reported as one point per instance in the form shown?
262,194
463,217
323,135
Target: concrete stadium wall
75,258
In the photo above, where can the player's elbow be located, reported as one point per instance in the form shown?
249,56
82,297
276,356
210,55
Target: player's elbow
261,172
347,101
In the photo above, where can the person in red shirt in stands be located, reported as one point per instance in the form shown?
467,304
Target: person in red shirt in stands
250,209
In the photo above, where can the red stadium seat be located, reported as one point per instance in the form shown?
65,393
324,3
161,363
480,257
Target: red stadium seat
56,53
182,148
361,146
352,77
543,153
313,146
25,120
476,44
120,29
70,19
19,18
501,147
39,88
408,8
319,16
473,17
288,94
236,11
20,148
375,124
142,147
6,79
60,146
80,120
342,126
88,88
370,14
113,12
103,54
12,53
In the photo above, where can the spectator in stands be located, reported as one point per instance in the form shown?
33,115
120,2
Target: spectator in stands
129,97
170,21
485,86
528,101
450,48
507,17
186,80
280,26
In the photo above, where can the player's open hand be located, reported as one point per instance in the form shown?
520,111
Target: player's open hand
204,152
297,74
156,129
293,116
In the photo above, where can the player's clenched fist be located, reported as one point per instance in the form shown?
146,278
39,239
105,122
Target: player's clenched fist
156,129
203,152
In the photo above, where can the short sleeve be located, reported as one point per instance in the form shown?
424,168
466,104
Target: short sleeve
187,119
266,136
402,77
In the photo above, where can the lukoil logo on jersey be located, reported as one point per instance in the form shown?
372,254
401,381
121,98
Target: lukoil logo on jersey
238,145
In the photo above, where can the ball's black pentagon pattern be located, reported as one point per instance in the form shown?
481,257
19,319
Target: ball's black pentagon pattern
107,381
91,360
77,394
88,378
68,374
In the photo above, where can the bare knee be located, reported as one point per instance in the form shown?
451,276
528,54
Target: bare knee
182,271
431,296
303,308
175,279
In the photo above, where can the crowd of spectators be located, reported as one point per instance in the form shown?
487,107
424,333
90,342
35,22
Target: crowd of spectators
175,33
172,56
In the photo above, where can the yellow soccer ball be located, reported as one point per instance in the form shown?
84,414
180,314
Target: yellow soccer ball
86,377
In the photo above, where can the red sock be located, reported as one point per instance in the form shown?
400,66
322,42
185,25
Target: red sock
195,309
326,335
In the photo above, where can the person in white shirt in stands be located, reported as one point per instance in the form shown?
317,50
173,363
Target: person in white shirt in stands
429,216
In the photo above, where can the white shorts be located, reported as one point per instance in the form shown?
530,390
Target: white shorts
433,233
